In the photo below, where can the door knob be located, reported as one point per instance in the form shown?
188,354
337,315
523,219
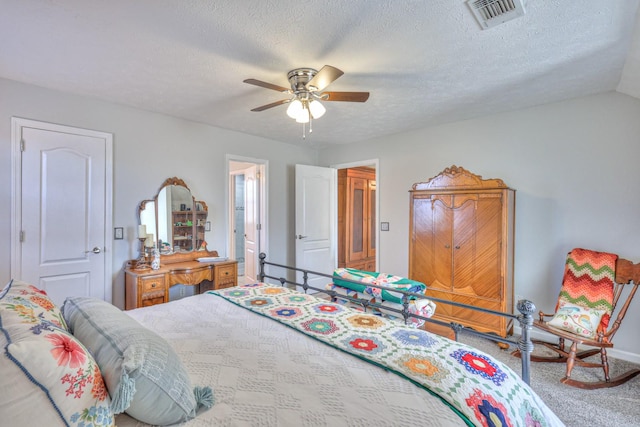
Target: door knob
95,250
300,236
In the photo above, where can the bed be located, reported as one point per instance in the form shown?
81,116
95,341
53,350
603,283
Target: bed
273,356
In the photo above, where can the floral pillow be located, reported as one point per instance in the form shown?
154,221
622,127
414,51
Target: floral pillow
31,304
576,319
52,375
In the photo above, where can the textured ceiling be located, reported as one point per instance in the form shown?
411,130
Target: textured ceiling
424,62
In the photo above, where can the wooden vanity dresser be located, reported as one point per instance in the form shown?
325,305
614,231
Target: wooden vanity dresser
149,287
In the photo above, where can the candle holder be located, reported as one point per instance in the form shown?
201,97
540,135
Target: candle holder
142,263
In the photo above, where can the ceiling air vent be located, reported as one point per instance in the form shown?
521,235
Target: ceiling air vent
490,13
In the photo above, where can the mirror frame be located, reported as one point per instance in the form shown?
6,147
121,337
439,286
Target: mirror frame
175,181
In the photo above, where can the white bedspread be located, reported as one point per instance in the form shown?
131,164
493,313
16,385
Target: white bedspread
266,374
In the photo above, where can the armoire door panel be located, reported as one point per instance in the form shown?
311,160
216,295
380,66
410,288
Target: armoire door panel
488,242
442,244
464,243
421,259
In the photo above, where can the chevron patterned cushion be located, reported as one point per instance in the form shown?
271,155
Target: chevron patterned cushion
589,277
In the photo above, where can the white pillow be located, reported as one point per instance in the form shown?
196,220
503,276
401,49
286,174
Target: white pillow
576,319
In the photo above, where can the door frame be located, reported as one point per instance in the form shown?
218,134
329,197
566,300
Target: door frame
371,163
17,124
232,214
263,208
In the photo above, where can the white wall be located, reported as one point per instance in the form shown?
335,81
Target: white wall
574,164
170,147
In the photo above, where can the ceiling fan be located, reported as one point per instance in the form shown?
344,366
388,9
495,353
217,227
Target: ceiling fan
307,89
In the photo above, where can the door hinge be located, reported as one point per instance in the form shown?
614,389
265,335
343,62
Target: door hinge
21,236
21,144
258,226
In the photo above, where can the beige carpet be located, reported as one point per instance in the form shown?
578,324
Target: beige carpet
616,406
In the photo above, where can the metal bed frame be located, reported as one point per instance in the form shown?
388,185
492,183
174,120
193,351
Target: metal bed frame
525,307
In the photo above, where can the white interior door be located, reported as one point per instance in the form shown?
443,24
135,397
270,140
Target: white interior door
315,221
251,222
63,198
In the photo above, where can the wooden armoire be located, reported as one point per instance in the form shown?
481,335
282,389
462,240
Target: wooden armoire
461,245
357,218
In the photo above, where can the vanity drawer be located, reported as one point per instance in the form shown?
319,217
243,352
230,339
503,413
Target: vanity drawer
226,275
152,283
144,289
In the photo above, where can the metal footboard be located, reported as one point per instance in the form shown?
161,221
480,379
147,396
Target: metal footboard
525,307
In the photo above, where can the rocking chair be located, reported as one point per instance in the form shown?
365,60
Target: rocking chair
592,285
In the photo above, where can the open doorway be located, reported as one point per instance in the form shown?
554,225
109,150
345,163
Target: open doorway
238,219
357,214
247,214
316,219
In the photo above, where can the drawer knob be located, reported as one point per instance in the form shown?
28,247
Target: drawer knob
153,285
226,273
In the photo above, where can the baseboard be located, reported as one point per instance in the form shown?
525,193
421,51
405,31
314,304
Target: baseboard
617,354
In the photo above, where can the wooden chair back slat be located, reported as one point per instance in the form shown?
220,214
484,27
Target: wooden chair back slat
627,274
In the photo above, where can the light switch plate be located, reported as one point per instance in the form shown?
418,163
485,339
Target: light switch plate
118,233
384,226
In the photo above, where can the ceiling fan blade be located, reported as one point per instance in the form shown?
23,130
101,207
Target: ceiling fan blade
266,85
345,96
273,104
323,78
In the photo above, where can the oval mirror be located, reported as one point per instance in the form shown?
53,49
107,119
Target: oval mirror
174,220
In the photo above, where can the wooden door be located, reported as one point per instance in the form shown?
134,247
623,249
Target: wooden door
64,200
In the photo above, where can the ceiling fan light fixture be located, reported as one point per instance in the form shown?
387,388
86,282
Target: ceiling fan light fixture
317,109
303,116
295,108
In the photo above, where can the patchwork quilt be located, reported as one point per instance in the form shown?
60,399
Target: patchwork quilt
366,278
480,389
421,307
